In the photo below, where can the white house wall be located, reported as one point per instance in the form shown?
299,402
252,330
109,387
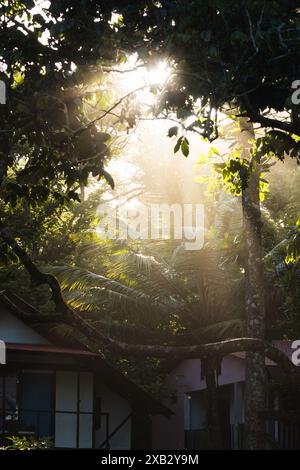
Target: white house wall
118,409
13,330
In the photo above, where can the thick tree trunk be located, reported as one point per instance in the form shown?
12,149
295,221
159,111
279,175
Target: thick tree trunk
255,313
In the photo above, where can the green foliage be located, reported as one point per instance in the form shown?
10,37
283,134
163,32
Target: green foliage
49,146
278,144
244,59
28,443
238,57
293,246
156,294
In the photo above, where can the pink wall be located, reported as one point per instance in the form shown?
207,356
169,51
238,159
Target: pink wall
186,378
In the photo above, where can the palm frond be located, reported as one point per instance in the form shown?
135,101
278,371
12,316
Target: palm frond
219,331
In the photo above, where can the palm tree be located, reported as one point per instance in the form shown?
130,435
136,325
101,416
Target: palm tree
156,291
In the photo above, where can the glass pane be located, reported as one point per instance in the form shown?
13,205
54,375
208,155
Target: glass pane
11,385
37,423
36,403
36,392
10,415
86,392
86,431
65,430
66,391
1,405
1,393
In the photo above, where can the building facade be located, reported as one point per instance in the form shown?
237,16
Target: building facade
67,393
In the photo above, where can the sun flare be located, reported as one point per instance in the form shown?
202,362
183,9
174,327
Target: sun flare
137,76
159,74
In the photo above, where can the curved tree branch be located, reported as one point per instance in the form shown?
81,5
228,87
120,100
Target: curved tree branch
264,121
199,351
39,278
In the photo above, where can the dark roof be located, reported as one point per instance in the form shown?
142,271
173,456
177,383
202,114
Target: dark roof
125,387
49,348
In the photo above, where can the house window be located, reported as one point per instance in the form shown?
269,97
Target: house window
48,403
35,403
9,410
25,403
74,409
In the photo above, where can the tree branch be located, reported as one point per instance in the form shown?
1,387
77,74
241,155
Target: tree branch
210,350
251,31
70,316
203,351
264,121
108,111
